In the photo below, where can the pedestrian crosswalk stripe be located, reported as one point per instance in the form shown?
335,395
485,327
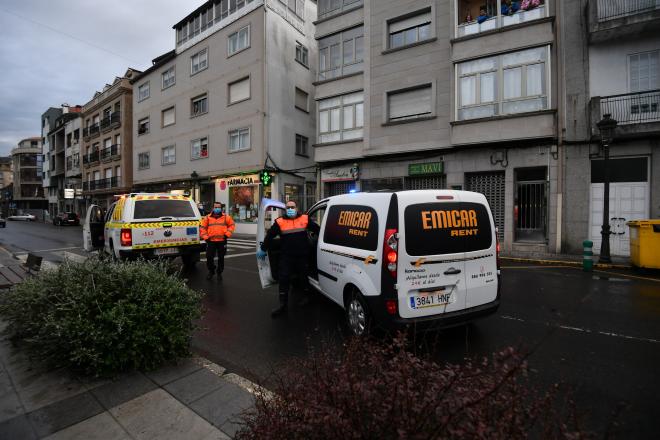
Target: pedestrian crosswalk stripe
241,241
239,246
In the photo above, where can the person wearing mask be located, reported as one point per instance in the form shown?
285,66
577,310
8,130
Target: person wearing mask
294,251
215,229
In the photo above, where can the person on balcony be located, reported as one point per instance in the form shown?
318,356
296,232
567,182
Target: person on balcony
482,16
527,5
510,7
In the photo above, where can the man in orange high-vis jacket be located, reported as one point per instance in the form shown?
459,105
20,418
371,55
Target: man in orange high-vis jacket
294,251
216,228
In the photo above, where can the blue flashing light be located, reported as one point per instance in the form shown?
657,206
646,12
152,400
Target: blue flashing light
352,191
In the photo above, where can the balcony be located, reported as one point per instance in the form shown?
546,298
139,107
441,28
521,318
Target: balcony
111,121
616,19
637,114
101,184
470,23
112,152
91,131
91,158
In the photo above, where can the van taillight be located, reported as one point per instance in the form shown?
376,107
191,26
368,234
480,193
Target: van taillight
126,237
390,249
390,305
497,251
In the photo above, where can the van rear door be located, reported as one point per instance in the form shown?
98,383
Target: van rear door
432,267
269,210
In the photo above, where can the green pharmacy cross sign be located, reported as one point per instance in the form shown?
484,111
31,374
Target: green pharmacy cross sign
426,169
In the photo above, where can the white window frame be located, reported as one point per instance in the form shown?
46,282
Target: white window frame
499,102
195,70
647,53
140,121
229,86
238,40
141,91
202,97
302,54
162,116
168,78
327,72
239,133
344,5
305,151
164,156
325,107
430,11
202,141
142,163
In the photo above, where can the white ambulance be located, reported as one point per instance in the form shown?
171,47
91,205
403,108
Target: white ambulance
396,259
146,225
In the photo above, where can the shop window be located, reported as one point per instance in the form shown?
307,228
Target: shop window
242,203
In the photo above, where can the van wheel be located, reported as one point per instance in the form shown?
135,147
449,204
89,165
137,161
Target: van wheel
113,256
357,314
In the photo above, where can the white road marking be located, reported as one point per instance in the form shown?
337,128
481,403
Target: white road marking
586,330
239,246
239,255
49,250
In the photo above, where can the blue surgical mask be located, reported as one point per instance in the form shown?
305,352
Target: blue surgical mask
291,212
217,210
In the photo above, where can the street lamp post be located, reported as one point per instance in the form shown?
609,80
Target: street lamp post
606,126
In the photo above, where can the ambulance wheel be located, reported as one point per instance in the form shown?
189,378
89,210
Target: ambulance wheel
357,313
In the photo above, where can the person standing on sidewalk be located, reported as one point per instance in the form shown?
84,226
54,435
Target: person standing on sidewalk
216,228
294,251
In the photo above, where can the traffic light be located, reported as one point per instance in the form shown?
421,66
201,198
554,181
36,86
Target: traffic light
265,177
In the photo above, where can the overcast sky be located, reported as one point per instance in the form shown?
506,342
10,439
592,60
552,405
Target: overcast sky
63,51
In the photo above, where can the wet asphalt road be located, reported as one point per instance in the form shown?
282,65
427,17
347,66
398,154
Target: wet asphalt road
598,333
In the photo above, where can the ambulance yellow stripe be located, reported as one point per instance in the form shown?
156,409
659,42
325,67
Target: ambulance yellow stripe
150,225
163,245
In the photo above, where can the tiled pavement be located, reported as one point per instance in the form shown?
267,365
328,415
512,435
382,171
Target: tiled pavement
191,399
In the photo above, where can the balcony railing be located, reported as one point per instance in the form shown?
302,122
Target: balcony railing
612,9
91,131
498,19
91,157
95,185
111,151
632,108
110,121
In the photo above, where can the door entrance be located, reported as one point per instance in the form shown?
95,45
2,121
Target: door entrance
629,200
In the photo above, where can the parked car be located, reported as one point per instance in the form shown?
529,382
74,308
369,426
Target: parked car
400,259
22,217
3,222
66,218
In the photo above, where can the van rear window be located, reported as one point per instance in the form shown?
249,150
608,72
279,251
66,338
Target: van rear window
162,208
354,226
447,228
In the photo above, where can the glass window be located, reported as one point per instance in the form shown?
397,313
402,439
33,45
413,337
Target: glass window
199,61
341,118
327,8
242,203
239,90
301,145
302,100
410,104
239,139
168,116
341,54
199,105
143,162
199,148
163,208
410,30
143,126
168,155
510,83
238,40
143,91
302,54
169,78
353,226
644,71
475,16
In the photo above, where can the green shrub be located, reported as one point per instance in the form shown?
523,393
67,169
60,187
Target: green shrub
102,317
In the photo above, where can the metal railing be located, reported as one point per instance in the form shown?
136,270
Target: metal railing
531,210
110,121
612,9
94,185
111,151
632,108
91,157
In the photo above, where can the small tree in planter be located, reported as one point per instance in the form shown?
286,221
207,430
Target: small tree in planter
102,317
382,391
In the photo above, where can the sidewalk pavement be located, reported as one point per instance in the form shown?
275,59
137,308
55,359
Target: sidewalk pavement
191,399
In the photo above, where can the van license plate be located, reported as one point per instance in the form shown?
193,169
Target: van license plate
431,299
166,251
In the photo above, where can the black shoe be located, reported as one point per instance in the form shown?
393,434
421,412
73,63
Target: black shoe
209,276
278,311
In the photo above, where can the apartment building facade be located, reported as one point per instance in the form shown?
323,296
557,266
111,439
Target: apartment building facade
417,94
28,188
620,76
107,143
234,97
6,172
48,119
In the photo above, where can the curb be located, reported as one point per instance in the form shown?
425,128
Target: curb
565,262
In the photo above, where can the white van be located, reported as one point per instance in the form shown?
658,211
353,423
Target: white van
399,258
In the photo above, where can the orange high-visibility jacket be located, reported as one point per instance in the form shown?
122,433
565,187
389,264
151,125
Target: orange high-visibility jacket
292,225
216,228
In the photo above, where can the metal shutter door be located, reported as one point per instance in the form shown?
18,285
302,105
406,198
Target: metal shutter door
490,185
435,182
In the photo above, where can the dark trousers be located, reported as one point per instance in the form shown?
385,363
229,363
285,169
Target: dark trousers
213,248
290,265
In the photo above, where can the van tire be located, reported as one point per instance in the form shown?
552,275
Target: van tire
358,316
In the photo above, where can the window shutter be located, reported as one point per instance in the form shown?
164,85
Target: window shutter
413,102
239,90
406,23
